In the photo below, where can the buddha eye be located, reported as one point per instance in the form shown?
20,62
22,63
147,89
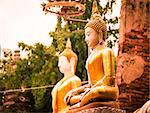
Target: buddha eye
88,34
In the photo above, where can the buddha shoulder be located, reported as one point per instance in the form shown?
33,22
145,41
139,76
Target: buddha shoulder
74,79
57,86
107,50
69,81
98,54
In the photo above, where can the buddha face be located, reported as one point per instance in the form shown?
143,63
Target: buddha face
91,37
64,64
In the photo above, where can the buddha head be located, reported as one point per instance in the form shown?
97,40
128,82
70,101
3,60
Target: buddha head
67,59
95,29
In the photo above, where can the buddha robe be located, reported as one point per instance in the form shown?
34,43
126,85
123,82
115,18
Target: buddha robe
60,90
101,75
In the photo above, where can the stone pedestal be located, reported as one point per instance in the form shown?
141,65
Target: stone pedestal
104,109
98,107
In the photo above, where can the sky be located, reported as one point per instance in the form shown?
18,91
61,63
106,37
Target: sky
24,20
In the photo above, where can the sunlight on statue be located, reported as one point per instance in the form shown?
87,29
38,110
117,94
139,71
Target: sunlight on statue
67,65
99,65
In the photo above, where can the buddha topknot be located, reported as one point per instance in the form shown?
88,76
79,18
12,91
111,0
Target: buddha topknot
96,22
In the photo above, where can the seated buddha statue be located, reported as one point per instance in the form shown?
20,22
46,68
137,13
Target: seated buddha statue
100,66
67,65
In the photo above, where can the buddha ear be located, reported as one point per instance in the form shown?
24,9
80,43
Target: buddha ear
100,37
64,59
72,63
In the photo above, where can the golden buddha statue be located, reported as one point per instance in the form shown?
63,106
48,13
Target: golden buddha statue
67,65
99,65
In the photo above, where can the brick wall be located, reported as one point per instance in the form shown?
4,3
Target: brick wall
134,40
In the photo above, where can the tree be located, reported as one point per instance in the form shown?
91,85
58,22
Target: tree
38,69
41,69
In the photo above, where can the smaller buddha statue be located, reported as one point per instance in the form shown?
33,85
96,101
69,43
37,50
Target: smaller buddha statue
67,65
101,85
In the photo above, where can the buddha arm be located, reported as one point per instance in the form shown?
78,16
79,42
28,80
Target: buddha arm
75,82
54,98
80,89
71,97
108,67
55,95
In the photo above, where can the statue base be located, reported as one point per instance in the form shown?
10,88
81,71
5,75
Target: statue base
98,107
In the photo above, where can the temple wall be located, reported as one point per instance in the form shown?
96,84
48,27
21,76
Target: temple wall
133,67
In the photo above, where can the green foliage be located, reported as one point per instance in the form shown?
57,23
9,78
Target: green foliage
39,69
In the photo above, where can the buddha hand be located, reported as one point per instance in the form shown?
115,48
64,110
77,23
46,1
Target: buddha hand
86,90
74,96
68,96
